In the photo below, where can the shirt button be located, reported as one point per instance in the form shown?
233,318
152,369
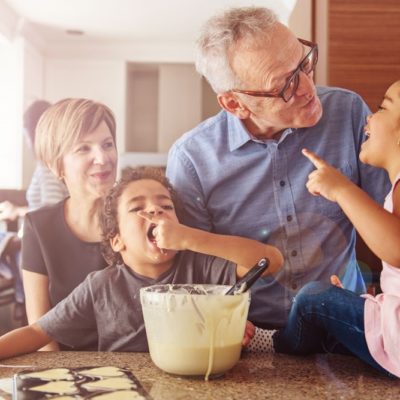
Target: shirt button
294,253
289,218
282,183
294,286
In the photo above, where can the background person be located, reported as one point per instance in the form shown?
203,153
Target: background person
44,189
75,138
242,171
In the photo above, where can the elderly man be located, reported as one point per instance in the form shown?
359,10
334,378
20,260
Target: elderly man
242,172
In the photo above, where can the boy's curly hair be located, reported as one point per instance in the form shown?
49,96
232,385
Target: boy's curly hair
109,212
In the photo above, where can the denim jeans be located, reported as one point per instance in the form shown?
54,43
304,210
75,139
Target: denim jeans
325,318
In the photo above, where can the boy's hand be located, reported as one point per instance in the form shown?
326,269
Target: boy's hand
325,181
248,333
169,234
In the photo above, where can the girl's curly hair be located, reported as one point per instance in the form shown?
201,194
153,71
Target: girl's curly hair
109,212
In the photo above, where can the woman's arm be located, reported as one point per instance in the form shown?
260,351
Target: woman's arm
23,340
37,299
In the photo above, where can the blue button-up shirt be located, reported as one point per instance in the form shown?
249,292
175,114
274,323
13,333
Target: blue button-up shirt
232,183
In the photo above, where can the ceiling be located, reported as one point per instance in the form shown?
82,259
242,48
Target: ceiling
127,20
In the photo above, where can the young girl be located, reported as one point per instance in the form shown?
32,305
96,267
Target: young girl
328,318
146,245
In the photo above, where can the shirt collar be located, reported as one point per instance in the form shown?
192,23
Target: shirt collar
239,135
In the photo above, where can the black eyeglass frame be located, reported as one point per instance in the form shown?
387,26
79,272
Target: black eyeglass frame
294,76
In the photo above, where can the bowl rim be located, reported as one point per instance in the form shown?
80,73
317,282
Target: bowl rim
153,289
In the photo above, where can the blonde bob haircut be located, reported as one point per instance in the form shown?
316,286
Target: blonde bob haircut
63,124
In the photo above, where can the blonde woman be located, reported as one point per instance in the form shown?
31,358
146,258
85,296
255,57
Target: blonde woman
75,139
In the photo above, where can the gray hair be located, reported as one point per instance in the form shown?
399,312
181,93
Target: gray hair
218,36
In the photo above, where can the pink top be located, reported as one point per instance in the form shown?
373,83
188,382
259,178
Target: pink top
382,313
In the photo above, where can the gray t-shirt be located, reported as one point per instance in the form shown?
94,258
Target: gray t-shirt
108,303
50,248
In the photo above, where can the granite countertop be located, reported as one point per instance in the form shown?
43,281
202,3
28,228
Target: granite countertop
256,376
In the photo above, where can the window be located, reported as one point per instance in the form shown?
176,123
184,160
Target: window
10,115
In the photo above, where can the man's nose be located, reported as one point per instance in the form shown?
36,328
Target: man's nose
306,84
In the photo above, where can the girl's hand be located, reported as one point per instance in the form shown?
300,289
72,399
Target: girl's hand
325,181
248,333
335,281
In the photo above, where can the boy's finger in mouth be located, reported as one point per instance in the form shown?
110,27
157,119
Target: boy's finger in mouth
151,234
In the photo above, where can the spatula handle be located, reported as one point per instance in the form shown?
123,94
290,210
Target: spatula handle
250,277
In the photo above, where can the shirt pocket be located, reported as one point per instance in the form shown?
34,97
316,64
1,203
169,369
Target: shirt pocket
331,209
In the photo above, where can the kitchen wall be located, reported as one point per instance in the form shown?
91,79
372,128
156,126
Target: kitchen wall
166,100
102,71
101,79
364,56
163,101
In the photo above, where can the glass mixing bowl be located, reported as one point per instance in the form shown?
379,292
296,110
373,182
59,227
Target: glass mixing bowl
194,329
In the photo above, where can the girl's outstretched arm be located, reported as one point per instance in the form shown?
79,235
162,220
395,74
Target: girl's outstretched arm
23,340
379,228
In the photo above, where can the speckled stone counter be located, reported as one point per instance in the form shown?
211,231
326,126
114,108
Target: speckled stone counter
256,376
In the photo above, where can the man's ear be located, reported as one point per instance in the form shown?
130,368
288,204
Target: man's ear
231,103
117,244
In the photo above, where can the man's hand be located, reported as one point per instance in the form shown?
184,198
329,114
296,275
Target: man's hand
325,181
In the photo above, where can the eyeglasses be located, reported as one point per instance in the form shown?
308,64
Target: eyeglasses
307,65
